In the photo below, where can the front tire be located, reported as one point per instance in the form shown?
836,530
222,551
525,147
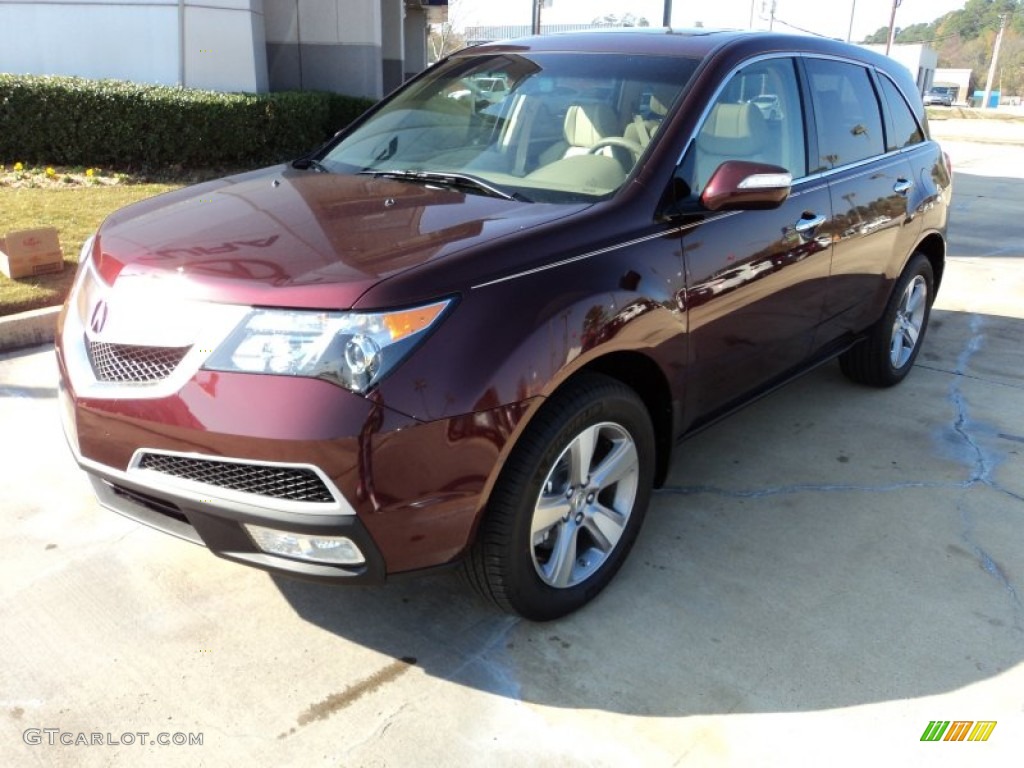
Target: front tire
886,356
569,502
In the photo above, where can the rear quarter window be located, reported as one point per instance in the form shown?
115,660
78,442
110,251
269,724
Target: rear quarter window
905,131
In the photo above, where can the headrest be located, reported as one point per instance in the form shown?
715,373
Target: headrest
662,97
733,129
586,124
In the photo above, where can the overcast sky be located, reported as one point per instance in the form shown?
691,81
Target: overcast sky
824,17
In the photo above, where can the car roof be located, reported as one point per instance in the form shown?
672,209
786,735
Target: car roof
693,43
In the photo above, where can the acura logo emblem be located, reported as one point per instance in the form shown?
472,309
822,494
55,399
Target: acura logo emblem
99,317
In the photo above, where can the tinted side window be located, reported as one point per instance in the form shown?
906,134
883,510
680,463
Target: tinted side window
905,130
847,114
759,117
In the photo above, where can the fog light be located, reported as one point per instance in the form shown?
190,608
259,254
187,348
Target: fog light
336,550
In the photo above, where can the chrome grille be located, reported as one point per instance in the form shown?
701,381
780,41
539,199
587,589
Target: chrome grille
292,483
133,364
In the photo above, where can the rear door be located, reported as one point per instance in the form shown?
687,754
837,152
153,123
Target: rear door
873,230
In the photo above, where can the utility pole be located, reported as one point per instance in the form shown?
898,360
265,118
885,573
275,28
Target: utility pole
666,19
892,26
771,13
536,16
853,9
992,66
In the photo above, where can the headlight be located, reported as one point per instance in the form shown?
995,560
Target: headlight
353,349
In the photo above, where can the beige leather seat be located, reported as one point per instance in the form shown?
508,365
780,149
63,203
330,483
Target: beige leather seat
731,132
586,124
570,164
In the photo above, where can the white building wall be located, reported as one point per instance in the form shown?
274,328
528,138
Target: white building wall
141,40
225,45
919,58
357,47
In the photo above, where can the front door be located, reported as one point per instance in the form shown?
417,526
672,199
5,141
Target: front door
755,279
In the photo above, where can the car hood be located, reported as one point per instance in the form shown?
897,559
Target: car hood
291,238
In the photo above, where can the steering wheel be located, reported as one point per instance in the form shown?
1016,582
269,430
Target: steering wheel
617,141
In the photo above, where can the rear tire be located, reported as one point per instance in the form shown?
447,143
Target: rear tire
886,356
569,502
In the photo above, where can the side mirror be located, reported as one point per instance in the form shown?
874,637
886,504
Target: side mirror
739,185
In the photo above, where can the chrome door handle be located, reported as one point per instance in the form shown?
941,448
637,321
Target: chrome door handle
902,186
808,223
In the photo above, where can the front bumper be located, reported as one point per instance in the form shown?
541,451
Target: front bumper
408,494
162,437
218,523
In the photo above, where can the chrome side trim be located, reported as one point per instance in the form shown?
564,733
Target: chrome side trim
804,55
600,251
876,166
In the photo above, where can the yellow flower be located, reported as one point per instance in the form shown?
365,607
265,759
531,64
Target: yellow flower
50,172
90,172
19,167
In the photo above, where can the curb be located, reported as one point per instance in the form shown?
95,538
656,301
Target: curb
28,329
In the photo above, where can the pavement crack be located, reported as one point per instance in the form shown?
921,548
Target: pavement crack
970,376
378,733
989,563
502,679
983,465
981,470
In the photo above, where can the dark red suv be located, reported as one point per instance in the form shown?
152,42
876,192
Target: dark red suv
472,330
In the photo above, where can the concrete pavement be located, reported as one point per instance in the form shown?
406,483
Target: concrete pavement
826,573
993,129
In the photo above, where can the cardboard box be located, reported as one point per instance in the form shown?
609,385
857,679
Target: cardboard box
30,252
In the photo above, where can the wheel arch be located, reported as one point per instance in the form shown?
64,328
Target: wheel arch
934,248
641,374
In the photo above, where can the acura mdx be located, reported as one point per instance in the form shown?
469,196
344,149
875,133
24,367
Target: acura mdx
472,331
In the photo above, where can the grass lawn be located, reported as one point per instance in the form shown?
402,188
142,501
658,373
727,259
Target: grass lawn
75,211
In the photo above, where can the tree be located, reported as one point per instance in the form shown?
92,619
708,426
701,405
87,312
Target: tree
443,39
964,40
627,20
878,37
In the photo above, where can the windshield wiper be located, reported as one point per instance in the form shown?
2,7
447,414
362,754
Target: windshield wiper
304,163
448,179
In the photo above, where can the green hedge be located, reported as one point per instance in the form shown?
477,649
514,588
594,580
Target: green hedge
117,124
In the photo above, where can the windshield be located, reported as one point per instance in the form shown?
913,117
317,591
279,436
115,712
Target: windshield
552,127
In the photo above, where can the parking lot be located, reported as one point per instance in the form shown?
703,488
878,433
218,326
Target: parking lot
825,574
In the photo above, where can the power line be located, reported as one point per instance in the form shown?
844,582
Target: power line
801,29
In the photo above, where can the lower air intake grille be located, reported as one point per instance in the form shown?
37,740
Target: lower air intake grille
292,483
133,364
